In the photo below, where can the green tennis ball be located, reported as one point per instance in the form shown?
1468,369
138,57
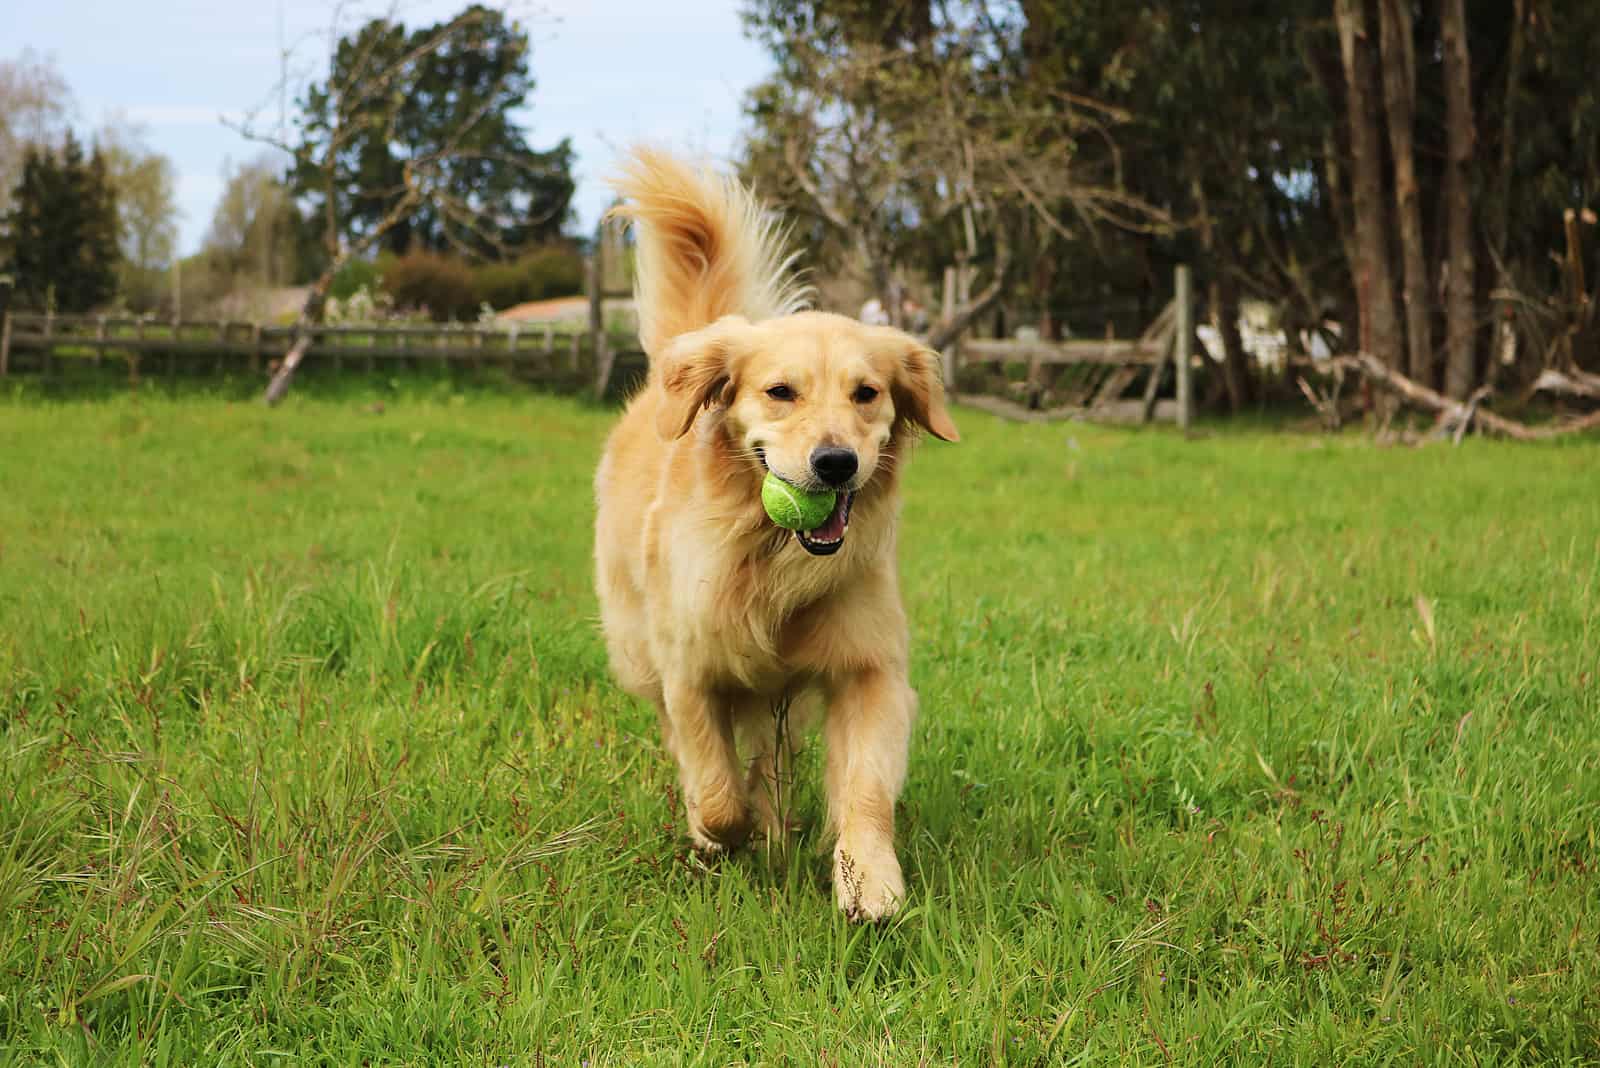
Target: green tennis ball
793,508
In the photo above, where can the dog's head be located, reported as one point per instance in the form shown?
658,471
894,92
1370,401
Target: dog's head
814,398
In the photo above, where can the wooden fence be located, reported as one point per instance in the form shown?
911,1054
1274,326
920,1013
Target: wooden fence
1084,379
556,353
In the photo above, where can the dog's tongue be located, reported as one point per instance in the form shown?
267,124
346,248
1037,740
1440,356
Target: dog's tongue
832,528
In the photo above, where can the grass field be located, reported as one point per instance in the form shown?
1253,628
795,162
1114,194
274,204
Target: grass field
1258,747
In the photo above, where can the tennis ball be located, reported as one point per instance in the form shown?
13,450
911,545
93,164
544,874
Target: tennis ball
793,508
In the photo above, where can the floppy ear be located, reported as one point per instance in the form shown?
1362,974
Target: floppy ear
695,370
919,392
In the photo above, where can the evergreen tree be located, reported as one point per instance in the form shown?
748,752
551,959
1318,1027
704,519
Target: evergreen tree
442,99
61,232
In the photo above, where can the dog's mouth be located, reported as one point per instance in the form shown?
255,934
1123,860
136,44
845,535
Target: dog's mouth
828,538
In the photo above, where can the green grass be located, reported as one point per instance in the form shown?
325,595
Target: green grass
1254,747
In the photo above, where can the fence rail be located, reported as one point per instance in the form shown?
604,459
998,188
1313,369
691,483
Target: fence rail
1113,352
546,350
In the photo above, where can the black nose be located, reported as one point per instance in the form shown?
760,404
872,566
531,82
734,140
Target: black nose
834,465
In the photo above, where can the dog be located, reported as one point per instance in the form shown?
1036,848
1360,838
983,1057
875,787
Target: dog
710,611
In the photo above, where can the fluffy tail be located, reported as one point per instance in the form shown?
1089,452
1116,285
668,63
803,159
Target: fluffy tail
706,249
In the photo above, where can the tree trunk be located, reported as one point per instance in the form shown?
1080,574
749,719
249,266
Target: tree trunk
1460,329
1224,293
1508,115
311,314
942,334
1399,99
1235,365
1371,272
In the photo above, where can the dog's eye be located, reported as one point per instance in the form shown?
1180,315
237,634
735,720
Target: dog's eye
781,393
865,395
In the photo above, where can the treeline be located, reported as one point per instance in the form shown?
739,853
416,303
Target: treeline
1414,179
405,175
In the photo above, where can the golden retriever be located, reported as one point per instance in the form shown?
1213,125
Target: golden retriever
712,612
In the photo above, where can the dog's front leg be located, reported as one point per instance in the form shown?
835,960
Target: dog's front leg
701,738
868,730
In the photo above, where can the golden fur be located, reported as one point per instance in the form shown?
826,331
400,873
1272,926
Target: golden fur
709,610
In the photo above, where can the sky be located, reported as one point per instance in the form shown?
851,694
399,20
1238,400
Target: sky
607,73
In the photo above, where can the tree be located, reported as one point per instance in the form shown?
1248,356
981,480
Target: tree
1223,129
61,231
1399,99
358,122
35,106
251,239
911,134
1374,284
1461,371
144,182
454,84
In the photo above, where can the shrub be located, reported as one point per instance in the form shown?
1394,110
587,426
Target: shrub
425,280
545,272
554,271
501,285
354,276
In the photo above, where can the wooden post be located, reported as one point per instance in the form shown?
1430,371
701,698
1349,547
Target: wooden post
47,353
577,352
1183,341
99,341
477,350
255,348
597,318
1154,384
138,353
5,346
947,311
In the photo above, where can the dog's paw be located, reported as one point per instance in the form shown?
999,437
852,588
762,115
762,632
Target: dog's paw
719,822
867,884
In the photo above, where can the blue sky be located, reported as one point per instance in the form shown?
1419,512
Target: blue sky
609,73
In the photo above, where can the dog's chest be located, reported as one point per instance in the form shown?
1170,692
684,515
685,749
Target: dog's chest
744,622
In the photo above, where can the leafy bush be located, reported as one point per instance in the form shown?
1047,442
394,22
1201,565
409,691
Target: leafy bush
549,271
554,271
439,284
354,276
501,285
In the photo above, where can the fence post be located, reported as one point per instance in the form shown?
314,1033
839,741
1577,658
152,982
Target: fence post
47,354
99,341
597,317
947,311
138,352
255,347
1184,340
5,346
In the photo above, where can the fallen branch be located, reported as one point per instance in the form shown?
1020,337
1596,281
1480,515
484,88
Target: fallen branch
1454,412
1327,406
1573,384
